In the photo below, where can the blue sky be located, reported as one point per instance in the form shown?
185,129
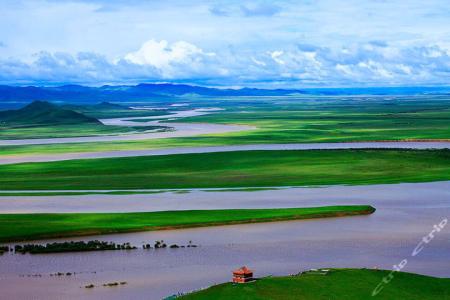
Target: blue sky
271,44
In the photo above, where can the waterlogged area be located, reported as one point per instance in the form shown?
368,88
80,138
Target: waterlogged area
405,214
12,159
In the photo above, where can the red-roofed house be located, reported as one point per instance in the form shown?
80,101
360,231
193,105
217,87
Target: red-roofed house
242,275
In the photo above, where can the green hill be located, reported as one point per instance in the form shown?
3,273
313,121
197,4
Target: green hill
348,284
43,113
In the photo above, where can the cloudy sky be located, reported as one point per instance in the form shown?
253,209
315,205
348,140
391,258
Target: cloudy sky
267,44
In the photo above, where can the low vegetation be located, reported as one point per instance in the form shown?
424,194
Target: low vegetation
231,169
75,130
349,284
43,113
334,119
81,193
42,119
302,119
16,227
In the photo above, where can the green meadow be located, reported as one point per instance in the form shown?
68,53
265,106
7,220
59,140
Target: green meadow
295,120
72,130
349,284
336,119
16,227
232,169
41,119
82,193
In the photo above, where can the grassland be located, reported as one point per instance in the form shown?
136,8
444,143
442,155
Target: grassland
15,227
231,169
72,130
41,119
286,120
296,120
349,284
82,193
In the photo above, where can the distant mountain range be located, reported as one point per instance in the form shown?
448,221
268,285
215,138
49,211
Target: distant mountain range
43,113
77,93
148,92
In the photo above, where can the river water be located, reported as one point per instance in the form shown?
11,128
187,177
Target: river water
405,213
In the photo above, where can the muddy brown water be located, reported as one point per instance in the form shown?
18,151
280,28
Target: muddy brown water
405,214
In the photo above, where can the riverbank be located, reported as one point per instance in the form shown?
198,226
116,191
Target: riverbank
335,284
17,227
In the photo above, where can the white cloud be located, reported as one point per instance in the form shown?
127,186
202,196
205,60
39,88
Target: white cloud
376,68
405,69
345,69
288,66
165,56
301,42
258,62
276,56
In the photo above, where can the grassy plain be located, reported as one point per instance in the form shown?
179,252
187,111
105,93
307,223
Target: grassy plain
337,119
81,193
349,284
14,227
231,169
41,119
296,120
61,131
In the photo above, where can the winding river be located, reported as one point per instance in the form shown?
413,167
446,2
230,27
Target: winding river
405,214
177,129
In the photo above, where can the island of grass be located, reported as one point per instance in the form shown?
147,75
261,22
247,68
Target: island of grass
19,227
231,170
349,284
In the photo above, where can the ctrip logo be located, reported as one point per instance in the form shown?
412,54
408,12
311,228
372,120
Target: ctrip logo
420,246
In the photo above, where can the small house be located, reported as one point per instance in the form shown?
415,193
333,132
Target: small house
242,275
